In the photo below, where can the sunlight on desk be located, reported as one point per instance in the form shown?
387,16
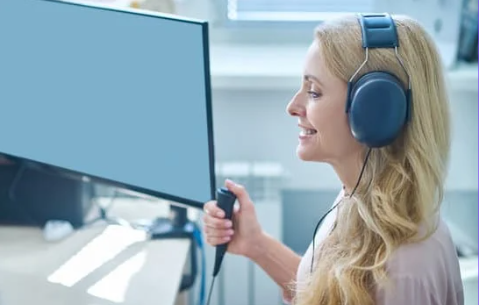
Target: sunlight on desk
112,241
96,265
119,279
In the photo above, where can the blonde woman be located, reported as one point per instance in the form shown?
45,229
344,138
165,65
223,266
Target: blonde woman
383,241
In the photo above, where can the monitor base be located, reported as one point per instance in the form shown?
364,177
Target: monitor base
177,226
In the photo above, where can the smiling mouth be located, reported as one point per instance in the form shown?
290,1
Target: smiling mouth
307,132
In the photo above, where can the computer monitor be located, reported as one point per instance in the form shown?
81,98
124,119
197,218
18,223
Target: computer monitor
121,96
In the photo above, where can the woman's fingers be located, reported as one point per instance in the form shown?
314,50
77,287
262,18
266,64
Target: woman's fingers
217,223
217,229
218,233
214,241
213,210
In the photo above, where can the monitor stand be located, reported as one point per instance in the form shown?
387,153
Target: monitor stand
175,226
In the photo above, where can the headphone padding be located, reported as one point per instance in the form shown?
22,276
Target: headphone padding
378,109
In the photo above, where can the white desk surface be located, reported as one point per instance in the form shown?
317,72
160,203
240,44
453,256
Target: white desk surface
97,265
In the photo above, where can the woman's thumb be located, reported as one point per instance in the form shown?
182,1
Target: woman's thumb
240,192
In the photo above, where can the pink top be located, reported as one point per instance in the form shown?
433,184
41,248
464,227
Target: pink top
425,273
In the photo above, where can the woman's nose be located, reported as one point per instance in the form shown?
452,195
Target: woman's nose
295,107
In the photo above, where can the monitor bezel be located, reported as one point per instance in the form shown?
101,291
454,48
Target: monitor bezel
173,199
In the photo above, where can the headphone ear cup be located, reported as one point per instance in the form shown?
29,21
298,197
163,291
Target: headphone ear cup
378,109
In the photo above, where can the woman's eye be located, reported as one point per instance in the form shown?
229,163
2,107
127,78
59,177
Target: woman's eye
314,95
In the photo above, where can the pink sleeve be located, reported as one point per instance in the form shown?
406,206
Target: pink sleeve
407,290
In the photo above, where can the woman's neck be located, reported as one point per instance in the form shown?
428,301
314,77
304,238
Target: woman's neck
348,173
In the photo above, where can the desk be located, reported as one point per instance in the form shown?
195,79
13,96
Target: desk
97,265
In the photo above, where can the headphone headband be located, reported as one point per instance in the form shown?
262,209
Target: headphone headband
378,107
378,31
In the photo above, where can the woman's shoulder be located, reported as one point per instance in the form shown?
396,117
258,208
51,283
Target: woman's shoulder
435,252
431,264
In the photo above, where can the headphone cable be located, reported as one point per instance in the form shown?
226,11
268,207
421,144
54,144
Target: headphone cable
336,205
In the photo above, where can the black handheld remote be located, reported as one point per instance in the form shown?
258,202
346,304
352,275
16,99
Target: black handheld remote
225,201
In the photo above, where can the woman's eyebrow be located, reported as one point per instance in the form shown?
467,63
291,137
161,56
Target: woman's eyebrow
309,77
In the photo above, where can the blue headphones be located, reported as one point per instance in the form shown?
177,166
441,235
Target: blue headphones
378,107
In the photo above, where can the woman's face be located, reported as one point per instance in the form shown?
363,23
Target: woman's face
319,106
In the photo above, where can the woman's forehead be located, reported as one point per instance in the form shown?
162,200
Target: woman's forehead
314,68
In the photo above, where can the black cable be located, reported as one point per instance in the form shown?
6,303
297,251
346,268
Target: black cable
362,172
103,211
334,207
210,290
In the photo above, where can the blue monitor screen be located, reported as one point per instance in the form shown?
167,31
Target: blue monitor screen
118,95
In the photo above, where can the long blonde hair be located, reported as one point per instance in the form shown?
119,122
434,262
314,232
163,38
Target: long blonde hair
402,185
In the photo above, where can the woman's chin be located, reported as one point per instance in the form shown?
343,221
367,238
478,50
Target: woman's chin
305,154
310,153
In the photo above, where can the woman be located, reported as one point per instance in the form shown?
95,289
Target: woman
383,241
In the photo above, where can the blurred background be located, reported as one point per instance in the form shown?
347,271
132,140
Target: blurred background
257,49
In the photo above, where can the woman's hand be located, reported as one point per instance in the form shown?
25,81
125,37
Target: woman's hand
243,234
